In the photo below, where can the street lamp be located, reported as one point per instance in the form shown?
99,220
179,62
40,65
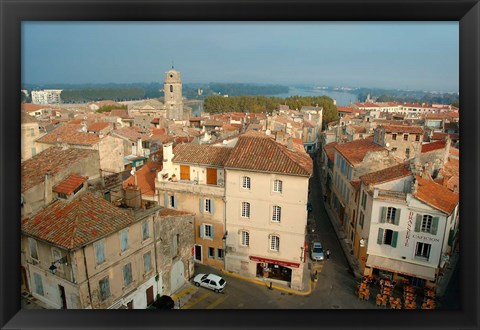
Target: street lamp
53,268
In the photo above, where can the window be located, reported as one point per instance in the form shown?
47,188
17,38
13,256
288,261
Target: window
277,186
171,88
426,224
208,206
62,195
389,214
100,252
245,238
422,250
407,152
38,284
394,136
124,240
274,243
34,151
57,256
145,231
362,219
245,210
277,212
172,201
211,252
206,231
147,262
405,137
104,285
417,137
33,248
127,274
78,189
364,199
31,131
387,237
246,182
220,254
394,149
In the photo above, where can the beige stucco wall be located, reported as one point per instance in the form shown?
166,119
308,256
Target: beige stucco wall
30,132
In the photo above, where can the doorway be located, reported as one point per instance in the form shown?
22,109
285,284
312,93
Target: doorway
63,298
198,253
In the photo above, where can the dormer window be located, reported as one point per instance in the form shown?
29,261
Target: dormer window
70,186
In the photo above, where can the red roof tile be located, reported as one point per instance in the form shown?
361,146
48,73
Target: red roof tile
433,146
145,178
96,127
438,136
68,186
355,151
386,175
201,154
403,129
330,150
258,152
70,134
74,224
435,195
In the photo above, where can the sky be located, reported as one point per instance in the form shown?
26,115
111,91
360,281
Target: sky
403,55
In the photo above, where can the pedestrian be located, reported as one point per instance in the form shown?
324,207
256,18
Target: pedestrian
328,254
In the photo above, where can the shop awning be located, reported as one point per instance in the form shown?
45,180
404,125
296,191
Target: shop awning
276,262
401,267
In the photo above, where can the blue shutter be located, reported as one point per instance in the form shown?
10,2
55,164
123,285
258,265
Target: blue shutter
434,226
201,205
213,235
418,222
394,239
100,252
380,236
202,231
212,207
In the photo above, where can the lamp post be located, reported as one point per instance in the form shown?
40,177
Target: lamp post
53,268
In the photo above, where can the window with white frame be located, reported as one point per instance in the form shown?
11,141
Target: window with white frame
390,216
172,201
206,231
277,186
246,182
274,243
33,248
38,283
245,210
364,199
422,250
276,213
245,238
127,274
208,206
145,230
220,254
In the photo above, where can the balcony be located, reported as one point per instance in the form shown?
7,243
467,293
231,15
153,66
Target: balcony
192,187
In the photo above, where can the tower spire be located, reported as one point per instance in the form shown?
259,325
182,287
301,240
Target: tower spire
173,66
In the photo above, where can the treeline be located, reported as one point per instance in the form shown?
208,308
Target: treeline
98,94
237,89
446,98
110,107
257,104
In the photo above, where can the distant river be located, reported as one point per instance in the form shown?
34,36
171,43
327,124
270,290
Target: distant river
343,98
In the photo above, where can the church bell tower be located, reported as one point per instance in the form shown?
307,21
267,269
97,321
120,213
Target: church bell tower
173,94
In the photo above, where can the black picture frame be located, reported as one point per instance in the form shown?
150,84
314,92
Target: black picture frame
467,12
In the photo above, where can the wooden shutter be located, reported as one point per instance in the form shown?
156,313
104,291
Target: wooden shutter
434,226
394,239
201,205
383,214
184,172
149,293
380,236
397,216
418,222
212,207
212,176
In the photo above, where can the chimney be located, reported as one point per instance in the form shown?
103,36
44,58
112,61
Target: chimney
133,197
48,186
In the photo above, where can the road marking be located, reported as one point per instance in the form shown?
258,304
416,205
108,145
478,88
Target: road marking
195,301
184,292
217,302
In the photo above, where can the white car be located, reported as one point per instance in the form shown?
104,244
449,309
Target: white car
210,281
317,252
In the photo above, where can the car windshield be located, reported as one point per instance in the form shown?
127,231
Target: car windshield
221,281
204,277
317,249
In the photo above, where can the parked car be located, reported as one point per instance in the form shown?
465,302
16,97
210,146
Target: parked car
163,302
210,281
316,252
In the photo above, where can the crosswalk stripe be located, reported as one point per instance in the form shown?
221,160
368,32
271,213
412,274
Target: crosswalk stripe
217,302
195,301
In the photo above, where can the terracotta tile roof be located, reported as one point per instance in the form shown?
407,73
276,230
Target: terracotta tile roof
183,139
258,152
355,151
346,109
96,127
200,154
27,119
228,127
68,186
435,195
75,121
403,129
130,133
433,146
53,160
74,224
166,212
438,136
454,152
145,178
356,184
454,136
330,150
70,134
196,119
158,131
386,175
122,113
29,107
358,129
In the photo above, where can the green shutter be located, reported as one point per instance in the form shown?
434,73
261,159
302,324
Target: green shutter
418,222
200,206
202,231
397,216
380,236
434,226
212,206
394,239
384,214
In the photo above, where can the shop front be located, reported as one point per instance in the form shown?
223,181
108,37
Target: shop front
274,269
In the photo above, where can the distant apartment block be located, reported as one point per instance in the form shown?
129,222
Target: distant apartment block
46,96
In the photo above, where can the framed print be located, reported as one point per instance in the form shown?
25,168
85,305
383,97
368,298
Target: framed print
270,45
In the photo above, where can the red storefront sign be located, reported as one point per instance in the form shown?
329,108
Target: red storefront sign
275,262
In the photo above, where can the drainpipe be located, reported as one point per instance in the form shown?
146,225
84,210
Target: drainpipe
155,248
88,277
